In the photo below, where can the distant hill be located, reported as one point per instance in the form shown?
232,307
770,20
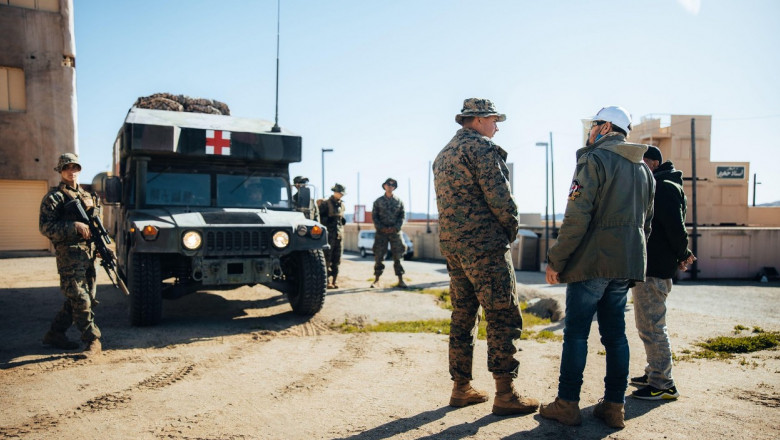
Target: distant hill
777,203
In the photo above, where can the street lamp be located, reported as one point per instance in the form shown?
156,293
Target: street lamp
324,150
546,198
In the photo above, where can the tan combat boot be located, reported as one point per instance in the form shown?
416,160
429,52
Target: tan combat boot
93,349
334,283
463,394
564,411
508,401
59,340
401,283
613,414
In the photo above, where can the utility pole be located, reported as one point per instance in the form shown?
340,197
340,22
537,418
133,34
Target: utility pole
428,215
754,188
409,185
324,150
546,196
552,187
694,248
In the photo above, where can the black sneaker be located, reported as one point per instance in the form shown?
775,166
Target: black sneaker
652,393
640,381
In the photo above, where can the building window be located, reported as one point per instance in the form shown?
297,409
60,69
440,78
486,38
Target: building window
42,5
12,96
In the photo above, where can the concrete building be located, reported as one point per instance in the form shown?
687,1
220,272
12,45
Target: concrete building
735,240
37,111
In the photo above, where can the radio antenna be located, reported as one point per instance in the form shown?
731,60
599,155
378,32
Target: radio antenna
276,128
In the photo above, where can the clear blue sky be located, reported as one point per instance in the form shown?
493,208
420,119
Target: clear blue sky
381,82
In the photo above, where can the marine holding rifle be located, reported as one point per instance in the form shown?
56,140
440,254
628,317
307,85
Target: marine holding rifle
75,255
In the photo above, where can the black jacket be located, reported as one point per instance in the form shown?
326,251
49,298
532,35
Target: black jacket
668,243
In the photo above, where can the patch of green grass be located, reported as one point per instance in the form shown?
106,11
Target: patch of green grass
724,347
742,344
738,328
442,295
441,326
547,335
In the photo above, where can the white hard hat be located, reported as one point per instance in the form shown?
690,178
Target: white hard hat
618,116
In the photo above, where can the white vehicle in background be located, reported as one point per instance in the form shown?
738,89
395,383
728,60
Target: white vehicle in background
366,244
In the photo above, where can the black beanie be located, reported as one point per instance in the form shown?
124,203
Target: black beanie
654,153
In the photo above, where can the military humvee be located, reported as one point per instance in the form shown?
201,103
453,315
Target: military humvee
200,201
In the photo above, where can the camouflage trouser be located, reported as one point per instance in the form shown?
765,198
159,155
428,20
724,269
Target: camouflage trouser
397,247
77,283
333,256
486,279
650,312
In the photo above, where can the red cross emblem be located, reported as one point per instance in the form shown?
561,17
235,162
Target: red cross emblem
218,142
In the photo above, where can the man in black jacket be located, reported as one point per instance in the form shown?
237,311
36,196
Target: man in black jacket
667,251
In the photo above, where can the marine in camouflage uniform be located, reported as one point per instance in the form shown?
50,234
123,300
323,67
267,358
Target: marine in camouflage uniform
388,216
75,258
332,215
311,213
478,220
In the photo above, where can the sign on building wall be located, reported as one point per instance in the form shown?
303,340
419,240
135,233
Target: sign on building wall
730,172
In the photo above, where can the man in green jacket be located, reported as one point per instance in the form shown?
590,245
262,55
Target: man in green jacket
667,251
600,252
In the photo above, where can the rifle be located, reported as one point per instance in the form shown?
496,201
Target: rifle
99,236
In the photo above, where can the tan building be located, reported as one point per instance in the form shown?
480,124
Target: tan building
736,240
37,111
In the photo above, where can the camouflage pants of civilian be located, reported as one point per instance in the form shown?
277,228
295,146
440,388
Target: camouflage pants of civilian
333,256
77,283
484,279
650,312
397,247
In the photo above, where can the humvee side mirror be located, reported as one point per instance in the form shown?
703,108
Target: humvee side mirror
304,197
109,188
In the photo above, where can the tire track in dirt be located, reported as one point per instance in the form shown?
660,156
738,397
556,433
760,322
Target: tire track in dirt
353,351
104,402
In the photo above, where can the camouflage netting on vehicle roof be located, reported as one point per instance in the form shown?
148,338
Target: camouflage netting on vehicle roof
182,103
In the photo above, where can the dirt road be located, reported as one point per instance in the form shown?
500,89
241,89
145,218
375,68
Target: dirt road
239,365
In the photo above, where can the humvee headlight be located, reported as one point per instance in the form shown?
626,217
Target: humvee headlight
191,240
281,239
302,230
316,231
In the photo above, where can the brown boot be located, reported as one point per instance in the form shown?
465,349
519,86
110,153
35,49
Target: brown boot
59,340
401,283
94,348
564,411
463,394
334,283
508,401
613,414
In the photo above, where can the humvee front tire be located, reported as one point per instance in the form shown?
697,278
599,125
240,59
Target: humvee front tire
145,284
308,278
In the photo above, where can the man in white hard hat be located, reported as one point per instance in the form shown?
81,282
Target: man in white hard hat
600,253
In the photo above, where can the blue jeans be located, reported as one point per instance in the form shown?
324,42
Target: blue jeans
605,297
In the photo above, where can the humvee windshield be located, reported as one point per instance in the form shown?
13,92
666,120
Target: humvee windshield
232,191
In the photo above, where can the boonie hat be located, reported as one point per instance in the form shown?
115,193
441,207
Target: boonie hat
66,159
300,179
653,153
478,107
339,188
390,181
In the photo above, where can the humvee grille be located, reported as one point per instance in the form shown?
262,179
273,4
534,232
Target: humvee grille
236,242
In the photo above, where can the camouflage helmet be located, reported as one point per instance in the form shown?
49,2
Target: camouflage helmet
478,107
66,159
300,180
339,188
390,181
